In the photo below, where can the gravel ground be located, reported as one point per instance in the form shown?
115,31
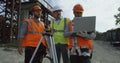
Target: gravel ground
10,55
103,53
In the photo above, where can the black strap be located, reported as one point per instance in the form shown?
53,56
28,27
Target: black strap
65,19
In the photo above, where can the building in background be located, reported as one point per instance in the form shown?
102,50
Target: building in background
13,11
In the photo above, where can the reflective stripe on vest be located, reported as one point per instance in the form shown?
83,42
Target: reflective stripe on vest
32,29
77,51
59,31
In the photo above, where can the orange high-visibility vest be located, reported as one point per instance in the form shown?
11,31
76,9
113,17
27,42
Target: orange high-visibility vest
33,34
80,40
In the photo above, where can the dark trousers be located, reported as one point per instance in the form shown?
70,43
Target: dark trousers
79,59
39,55
62,49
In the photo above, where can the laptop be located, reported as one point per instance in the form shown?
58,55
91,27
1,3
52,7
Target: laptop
84,24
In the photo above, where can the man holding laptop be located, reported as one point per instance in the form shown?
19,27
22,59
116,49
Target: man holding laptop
80,31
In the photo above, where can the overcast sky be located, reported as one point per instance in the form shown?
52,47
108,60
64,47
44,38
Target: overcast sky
104,10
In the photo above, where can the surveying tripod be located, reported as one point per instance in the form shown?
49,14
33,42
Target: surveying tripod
51,46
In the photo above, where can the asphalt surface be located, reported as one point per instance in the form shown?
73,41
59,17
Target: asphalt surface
103,53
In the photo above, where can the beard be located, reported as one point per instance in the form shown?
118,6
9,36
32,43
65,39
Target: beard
58,16
37,15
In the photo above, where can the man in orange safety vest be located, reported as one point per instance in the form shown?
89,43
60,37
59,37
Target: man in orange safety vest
30,34
80,45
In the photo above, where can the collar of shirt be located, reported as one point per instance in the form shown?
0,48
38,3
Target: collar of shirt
58,21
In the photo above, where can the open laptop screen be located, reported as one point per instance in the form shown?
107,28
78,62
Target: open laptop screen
84,24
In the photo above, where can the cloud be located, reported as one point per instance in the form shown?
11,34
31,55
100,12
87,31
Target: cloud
104,10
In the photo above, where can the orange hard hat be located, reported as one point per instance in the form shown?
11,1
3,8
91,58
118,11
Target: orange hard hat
36,7
78,8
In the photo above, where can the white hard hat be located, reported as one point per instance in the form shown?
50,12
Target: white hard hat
55,8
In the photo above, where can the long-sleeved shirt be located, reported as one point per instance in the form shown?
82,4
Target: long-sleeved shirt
23,30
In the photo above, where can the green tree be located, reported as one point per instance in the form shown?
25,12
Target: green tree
117,17
98,35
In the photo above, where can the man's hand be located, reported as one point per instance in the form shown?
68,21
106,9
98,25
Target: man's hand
20,50
73,34
82,33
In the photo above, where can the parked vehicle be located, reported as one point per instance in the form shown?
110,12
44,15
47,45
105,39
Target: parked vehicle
113,36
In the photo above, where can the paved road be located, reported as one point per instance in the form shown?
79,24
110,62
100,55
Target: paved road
10,55
103,53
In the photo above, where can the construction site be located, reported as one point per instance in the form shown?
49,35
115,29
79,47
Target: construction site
12,12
